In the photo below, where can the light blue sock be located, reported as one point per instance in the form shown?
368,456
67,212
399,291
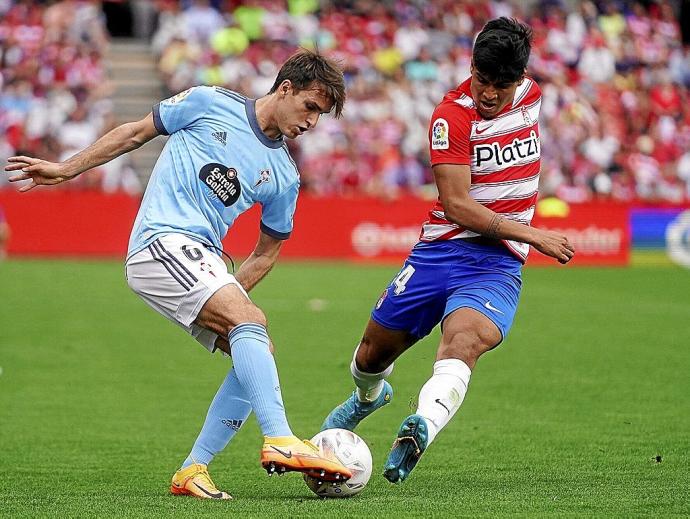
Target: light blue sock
258,375
228,411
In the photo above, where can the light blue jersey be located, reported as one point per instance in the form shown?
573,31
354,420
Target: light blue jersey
216,164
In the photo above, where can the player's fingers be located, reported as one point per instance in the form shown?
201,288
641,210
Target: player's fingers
17,178
16,166
22,158
35,168
28,187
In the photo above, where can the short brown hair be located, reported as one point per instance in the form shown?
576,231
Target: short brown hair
306,67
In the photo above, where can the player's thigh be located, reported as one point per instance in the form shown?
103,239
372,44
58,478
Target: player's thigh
467,334
479,315
228,307
415,299
176,276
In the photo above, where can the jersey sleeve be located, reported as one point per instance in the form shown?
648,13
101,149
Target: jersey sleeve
277,213
449,135
182,110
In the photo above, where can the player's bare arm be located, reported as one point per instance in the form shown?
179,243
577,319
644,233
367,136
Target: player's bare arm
260,261
120,140
453,181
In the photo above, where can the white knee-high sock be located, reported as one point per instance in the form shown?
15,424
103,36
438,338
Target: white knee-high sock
369,385
443,393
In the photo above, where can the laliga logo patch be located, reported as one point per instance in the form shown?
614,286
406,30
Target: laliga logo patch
179,97
223,181
439,134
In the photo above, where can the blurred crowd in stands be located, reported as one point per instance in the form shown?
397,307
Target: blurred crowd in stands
55,92
615,77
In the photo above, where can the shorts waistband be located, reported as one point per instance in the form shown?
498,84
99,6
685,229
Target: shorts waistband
482,240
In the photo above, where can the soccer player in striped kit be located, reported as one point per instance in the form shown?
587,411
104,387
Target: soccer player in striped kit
225,153
465,272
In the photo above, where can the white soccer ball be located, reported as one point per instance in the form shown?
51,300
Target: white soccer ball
351,451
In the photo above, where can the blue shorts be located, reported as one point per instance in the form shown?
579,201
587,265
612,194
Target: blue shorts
440,277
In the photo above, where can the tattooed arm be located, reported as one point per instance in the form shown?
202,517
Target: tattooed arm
453,182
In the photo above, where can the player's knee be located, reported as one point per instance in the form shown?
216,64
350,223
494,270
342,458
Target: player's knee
248,313
252,314
467,345
369,358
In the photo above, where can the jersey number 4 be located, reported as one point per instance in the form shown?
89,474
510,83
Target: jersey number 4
401,280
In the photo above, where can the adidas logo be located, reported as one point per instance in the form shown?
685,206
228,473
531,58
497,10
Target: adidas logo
233,424
220,137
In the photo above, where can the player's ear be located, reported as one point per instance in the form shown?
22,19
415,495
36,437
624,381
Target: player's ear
285,87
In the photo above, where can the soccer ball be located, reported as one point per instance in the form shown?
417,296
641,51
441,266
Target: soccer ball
351,451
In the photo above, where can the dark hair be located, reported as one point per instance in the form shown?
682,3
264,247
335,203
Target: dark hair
304,68
502,49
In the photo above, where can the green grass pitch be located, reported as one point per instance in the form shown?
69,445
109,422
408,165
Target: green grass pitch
584,410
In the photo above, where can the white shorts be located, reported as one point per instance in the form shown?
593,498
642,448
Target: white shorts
176,275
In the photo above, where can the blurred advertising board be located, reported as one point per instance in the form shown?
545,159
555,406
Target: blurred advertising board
368,229
600,232
663,227
85,223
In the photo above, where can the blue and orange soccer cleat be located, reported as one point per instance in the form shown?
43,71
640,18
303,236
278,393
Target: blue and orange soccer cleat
283,454
352,411
408,447
195,481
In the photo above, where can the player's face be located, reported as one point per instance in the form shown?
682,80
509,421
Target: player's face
491,96
299,111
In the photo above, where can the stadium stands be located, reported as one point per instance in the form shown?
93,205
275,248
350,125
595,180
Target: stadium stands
615,118
54,86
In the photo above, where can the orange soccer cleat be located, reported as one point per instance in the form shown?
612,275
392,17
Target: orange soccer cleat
288,453
195,481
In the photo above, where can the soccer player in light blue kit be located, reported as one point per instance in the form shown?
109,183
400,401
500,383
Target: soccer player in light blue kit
225,153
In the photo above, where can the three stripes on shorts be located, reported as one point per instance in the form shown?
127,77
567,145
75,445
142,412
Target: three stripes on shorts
173,265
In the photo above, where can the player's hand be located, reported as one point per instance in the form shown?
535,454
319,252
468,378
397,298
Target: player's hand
554,244
40,172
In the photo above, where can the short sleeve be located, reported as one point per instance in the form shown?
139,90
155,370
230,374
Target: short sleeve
182,110
449,135
277,214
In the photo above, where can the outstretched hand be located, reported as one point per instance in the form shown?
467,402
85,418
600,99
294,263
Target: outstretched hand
40,172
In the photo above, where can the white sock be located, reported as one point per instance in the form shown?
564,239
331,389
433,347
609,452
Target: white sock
443,393
369,385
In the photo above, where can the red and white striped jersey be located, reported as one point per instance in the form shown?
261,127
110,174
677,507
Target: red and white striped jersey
503,154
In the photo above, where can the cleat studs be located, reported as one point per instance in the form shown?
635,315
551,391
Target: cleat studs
322,473
337,476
